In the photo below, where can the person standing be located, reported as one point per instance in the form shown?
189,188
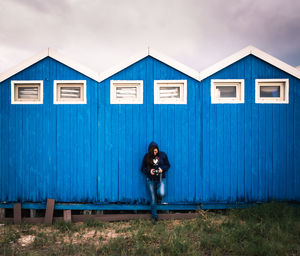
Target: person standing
155,165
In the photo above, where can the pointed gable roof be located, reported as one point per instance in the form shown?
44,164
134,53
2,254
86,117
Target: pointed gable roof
245,52
54,55
155,54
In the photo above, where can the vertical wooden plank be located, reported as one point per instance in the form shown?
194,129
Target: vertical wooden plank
255,152
206,136
117,140
234,134
249,90
67,215
227,156
276,178
32,213
192,90
199,162
297,140
120,147
95,138
2,213
108,171
128,149
261,152
151,76
290,141
49,212
17,213
5,149
283,151
12,174
213,154
101,128
269,152
220,152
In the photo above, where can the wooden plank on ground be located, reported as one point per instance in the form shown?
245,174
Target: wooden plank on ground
114,217
49,212
124,217
17,213
67,215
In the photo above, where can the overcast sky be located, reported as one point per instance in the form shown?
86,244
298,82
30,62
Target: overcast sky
101,34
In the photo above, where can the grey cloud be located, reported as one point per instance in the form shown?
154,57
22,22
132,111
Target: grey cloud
101,34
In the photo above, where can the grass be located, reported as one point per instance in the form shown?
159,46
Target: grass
269,229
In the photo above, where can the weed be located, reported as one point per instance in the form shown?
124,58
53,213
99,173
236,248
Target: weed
40,240
64,226
92,223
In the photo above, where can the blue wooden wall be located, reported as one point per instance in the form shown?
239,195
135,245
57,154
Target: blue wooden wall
92,153
251,151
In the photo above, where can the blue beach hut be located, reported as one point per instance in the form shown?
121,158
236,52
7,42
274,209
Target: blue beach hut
231,131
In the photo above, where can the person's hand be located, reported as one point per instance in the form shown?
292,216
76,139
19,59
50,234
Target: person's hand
160,170
152,171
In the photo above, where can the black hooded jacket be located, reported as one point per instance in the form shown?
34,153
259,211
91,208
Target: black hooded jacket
163,163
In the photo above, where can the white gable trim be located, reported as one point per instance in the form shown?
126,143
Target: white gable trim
133,59
155,54
245,52
54,55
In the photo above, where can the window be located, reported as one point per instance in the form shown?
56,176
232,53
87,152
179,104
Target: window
271,91
126,92
26,92
170,91
69,92
227,91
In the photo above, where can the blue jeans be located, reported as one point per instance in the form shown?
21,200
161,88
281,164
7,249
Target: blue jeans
156,188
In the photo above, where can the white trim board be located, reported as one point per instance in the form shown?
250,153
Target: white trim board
168,83
54,55
155,54
245,52
24,82
230,82
285,89
58,102
126,83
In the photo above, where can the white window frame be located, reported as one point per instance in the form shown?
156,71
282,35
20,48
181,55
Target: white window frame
57,101
26,82
272,82
169,83
126,83
226,82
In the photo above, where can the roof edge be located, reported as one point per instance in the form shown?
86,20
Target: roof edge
175,64
155,54
54,55
245,52
24,64
133,59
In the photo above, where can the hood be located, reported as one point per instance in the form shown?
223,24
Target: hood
153,144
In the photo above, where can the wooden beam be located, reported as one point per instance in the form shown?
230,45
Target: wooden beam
114,217
32,213
17,213
67,215
49,212
2,213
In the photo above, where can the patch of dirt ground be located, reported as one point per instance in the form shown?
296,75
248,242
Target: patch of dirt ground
26,240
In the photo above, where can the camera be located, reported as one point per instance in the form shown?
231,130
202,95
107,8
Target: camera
156,172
